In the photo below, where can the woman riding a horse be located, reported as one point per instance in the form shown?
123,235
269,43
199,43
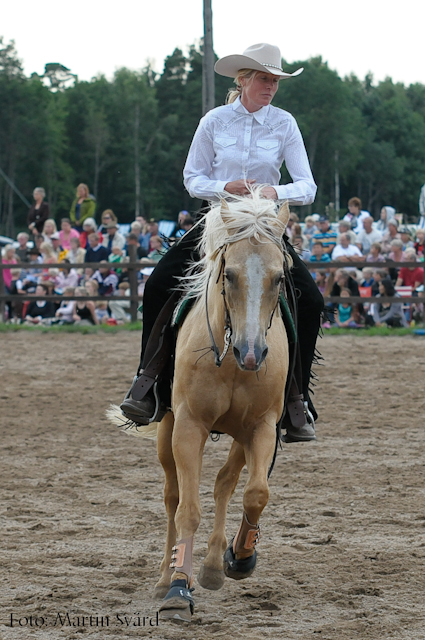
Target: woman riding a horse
236,146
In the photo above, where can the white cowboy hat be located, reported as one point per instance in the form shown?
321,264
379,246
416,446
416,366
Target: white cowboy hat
260,57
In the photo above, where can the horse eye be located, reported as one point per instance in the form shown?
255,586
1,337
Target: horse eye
279,279
229,276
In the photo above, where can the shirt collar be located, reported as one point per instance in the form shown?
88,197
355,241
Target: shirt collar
259,115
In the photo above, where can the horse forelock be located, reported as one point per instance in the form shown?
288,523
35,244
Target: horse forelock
250,218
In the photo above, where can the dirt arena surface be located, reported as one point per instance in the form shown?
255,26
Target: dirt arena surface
82,520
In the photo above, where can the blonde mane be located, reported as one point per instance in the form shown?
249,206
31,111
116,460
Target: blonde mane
252,218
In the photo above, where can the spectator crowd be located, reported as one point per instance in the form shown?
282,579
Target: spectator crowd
80,240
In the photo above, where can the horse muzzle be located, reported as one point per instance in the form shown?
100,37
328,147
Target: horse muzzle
250,359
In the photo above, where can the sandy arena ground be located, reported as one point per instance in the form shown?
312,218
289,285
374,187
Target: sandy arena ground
82,520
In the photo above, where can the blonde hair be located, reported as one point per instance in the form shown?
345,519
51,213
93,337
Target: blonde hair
52,222
85,187
235,93
47,249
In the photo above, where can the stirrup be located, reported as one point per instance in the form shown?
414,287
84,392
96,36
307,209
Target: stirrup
160,408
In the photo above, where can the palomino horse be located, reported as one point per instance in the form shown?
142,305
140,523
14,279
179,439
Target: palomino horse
237,286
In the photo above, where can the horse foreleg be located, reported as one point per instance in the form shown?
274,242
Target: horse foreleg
240,557
188,445
211,575
171,499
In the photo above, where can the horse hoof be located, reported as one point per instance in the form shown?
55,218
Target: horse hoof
238,569
212,579
178,604
161,591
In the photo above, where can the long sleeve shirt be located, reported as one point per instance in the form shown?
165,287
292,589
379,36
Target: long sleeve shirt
231,143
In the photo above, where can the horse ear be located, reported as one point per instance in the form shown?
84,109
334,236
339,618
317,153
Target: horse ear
283,215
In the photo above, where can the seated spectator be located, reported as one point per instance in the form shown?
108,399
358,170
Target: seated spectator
48,254
120,306
157,252
356,215
84,312
367,236
67,277
76,254
8,257
419,243
66,233
390,235
65,313
343,280
410,276
107,217
345,227
40,311
57,247
396,254
297,242
96,251
89,226
92,287
387,213
320,278
102,311
375,254
113,237
406,238
145,273
345,315
107,280
185,226
378,276
346,252
116,255
22,250
310,229
387,313
318,254
49,228
87,276
32,271
325,236
133,241
15,288
367,277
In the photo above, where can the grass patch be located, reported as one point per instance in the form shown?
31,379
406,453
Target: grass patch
370,331
70,328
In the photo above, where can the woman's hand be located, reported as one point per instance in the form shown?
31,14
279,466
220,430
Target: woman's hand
269,193
239,187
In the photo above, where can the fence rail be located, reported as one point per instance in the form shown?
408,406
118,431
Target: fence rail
134,266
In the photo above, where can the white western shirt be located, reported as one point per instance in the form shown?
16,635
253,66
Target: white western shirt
232,144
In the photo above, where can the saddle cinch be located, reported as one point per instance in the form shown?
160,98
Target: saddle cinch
158,372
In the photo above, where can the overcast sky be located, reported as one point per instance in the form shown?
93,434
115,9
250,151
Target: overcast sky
91,37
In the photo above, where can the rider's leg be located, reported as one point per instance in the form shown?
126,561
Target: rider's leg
158,289
310,307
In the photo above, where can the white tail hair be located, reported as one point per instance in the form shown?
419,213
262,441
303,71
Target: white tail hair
115,415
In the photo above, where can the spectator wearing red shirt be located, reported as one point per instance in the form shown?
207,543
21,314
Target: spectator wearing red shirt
410,276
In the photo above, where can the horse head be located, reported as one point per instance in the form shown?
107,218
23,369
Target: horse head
252,272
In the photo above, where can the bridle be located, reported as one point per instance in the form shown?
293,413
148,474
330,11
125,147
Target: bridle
218,358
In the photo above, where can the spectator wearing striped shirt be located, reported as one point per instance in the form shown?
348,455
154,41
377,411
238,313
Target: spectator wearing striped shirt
325,236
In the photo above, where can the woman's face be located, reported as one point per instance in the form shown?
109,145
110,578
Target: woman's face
81,192
49,228
37,195
381,289
383,213
259,90
65,226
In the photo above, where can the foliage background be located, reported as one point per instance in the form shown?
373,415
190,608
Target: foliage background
128,137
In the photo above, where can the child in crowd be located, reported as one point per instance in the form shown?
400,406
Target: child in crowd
64,315
419,244
375,254
318,254
345,316
310,229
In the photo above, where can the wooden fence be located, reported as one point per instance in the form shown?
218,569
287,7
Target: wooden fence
134,266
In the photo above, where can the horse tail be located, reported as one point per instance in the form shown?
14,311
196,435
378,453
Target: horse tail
114,415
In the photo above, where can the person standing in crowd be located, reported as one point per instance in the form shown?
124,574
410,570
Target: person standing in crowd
38,213
83,207
421,222
355,215
236,146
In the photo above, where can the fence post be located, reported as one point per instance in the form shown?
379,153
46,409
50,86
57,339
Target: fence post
132,276
2,293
